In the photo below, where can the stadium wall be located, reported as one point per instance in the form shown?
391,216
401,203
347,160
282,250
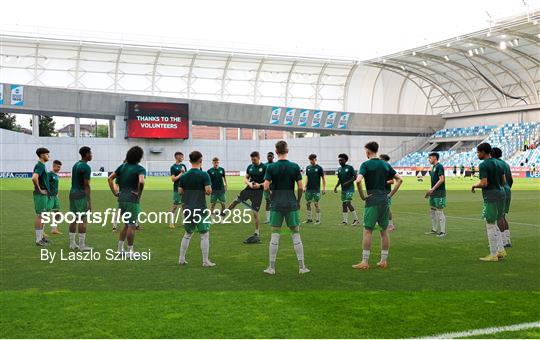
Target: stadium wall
17,150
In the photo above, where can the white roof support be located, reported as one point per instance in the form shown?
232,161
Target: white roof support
35,80
398,106
506,71
319,85
154,70
449,96
529,37
77,72
462,70
256,83
531,85
190,75
116,75
224,77
374,87
347,86
287,85
469,93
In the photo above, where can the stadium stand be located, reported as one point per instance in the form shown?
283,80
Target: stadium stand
462,132
527,158
510,138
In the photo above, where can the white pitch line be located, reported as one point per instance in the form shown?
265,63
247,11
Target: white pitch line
467,218
485,331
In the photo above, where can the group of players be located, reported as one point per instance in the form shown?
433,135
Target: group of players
472,171
280,183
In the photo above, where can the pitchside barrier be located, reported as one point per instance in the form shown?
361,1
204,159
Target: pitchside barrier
15,174
60,174
403,171
517,172
167,173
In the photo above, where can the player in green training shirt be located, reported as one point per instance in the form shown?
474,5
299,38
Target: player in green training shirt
40,180
502,223
130,177
53,203
314,174
389,183
472,168
267,194
194,185
437,196
282,176
79,199
219,185
116,217
253,191
492,181
346,177
177,170
375,172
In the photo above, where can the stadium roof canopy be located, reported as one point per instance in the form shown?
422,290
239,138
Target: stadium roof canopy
487,70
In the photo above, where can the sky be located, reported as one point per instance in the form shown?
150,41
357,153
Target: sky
350,29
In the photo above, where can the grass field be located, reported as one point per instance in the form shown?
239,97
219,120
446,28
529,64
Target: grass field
432,285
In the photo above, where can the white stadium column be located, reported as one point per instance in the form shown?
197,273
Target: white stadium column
35,125
112,125
77,127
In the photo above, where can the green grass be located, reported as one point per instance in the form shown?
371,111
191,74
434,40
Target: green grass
432,285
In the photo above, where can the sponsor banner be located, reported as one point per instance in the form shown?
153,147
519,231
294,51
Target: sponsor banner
1,94
317,117
157,120
99,174
302,120
343,120
412,171
415,168
531,174
519,174
289,116
406,172
158,173
17,95
232,173
15,175
275,115
521,168
330,119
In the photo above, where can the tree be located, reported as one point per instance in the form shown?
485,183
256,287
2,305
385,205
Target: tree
8,121
102,131
327,134
46,126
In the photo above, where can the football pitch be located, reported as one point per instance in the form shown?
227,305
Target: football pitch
432,285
